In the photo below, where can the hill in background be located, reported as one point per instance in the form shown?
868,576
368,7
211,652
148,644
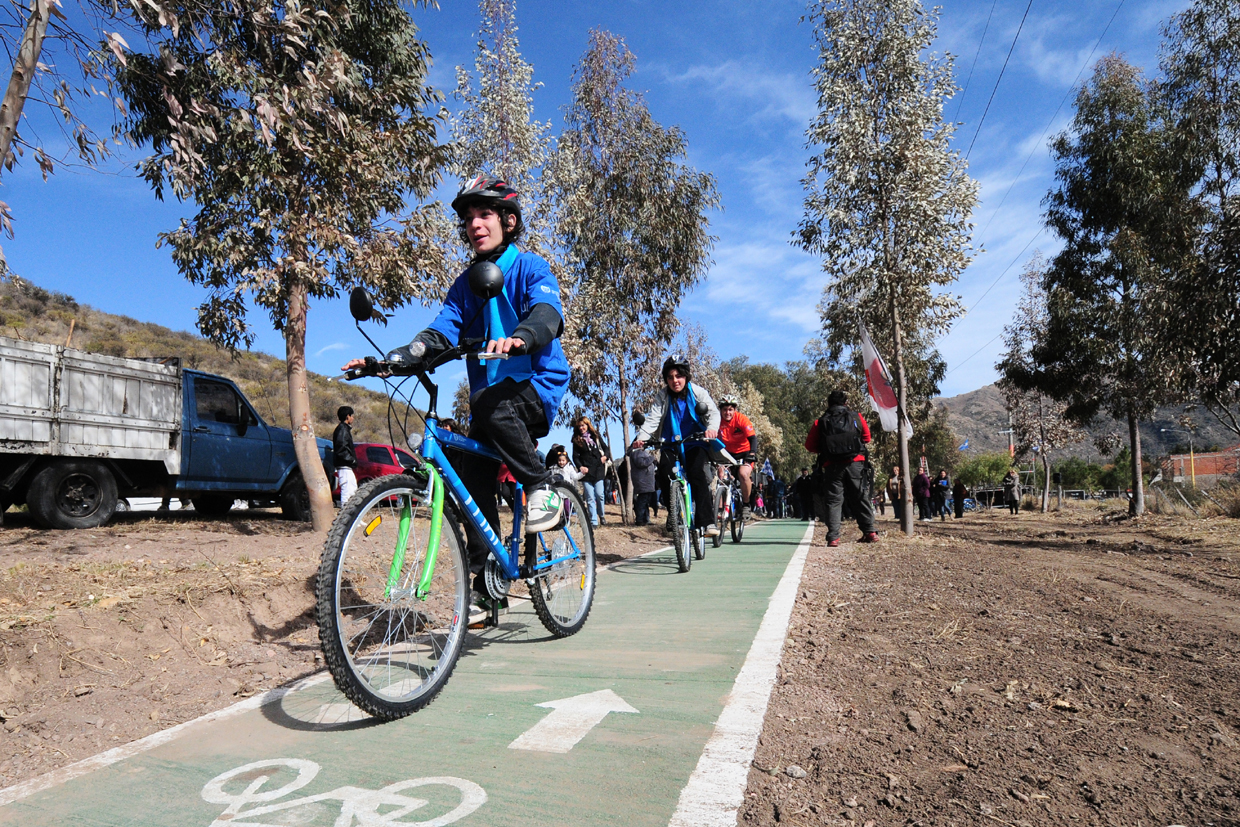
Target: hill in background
29,312
980,415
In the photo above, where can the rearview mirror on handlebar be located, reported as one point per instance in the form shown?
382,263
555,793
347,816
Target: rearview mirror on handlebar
486,280
360,305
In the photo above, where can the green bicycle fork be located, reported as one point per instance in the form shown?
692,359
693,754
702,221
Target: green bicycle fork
434,490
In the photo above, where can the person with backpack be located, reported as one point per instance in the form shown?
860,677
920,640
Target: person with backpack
839,438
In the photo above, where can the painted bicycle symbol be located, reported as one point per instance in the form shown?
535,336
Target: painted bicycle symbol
243,788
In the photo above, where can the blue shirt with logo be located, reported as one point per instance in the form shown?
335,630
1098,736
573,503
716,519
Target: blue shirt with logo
527,281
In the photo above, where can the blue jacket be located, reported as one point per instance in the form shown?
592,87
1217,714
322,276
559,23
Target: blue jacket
527,281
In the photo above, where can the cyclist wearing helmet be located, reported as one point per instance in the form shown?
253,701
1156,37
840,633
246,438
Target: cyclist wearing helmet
682,409
512,402
741,440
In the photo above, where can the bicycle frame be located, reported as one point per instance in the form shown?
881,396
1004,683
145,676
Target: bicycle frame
442,475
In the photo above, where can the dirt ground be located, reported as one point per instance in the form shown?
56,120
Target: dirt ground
1034,670
111,634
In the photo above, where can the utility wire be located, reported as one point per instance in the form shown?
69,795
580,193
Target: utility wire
998,79
979,350
973,65
1004,273
1051,122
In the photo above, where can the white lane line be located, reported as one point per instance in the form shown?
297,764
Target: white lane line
716,789
112,756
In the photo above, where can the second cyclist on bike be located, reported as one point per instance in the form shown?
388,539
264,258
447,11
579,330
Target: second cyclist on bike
681,410
741,440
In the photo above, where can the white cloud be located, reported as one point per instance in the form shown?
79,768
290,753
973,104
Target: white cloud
331,347
780,94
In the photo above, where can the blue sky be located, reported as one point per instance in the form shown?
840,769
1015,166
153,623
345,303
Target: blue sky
735,77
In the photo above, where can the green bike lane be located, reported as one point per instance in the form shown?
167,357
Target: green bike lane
639,692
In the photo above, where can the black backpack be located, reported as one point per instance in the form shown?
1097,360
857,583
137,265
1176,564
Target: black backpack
839,438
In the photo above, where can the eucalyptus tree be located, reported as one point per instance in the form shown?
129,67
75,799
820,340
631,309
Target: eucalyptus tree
887,201
495,130
1123,209
632,223
1201,64
1039,421
297,131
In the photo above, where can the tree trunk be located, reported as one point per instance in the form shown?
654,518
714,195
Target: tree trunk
304,444
1046,480
24,68
624,424
1137,505
906,515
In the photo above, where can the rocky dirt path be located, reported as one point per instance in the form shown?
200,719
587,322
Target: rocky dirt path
1028,671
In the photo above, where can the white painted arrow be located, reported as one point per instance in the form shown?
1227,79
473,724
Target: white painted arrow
571,719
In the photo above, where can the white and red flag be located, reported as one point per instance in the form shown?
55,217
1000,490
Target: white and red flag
878,385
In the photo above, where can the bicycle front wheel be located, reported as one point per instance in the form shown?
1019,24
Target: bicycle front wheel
563,593
680,526
391,623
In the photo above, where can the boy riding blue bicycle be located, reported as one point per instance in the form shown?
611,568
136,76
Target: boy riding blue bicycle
512,401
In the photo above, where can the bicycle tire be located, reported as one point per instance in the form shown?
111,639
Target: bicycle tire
721,497
390,654
699,543
738,518
563,596
680,529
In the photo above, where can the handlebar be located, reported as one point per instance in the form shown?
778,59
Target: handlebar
382,367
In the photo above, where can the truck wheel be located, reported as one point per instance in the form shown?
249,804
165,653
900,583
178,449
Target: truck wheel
295,500
213,506
72,494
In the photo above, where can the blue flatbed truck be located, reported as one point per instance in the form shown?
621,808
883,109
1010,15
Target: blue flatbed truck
79,431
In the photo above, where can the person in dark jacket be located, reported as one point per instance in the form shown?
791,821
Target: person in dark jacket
921,495
1011,490
641,471
590,453
959,494
344,455
938,495
843,464
801,497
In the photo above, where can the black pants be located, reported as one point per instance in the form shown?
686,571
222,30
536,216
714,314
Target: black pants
697,471
1013,502
958,504
847,482
641,507
938,506
508,417
923,508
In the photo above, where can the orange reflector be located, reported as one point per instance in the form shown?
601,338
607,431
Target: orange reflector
370,529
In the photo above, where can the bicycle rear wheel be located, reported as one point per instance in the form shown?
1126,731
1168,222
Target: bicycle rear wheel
389,646
738,518
680,527
563,594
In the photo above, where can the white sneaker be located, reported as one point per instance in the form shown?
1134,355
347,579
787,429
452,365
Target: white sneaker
712,530
543,509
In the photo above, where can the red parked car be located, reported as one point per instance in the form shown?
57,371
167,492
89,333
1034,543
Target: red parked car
375,459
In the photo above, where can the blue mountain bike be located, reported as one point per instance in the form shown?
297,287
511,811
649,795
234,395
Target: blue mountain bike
689,542
393,588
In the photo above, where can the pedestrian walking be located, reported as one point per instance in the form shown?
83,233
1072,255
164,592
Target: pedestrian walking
921,495
802,498
1011,490
344,455
895,492
959,495
641,472
590,453
839,438
938,496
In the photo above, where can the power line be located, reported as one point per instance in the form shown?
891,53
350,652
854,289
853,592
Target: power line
1001,71
1051,122
979,350
973,65
1004,273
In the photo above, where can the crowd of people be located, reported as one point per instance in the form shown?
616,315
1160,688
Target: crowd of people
514,400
